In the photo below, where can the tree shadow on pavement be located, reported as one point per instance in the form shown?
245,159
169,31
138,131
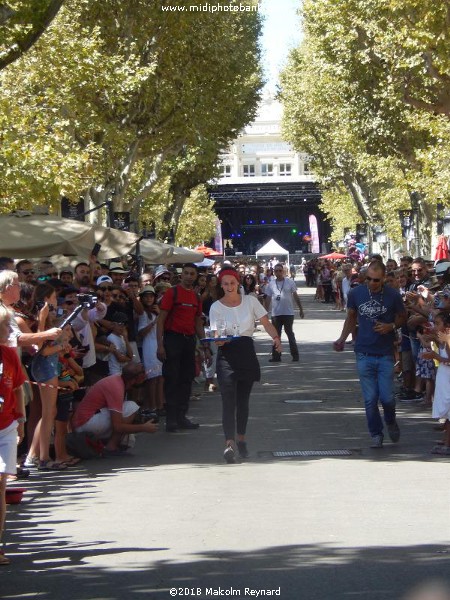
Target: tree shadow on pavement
297,571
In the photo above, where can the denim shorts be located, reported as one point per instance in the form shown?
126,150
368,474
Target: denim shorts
44,368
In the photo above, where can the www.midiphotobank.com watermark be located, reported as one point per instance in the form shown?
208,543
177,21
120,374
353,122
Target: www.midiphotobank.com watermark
212,8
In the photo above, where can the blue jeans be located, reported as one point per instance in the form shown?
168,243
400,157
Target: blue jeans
376,375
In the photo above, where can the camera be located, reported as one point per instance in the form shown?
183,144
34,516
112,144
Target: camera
87,300
144,415
278,298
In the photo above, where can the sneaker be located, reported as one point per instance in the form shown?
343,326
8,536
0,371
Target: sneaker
242,449
31,462
393,431
229,455
377,441
274,360
410,396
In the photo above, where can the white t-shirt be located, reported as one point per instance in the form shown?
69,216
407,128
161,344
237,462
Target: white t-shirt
283,290
115,367
244,315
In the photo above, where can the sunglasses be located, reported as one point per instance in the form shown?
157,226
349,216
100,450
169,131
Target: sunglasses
28,272
69,302
374,279
106,287
167,278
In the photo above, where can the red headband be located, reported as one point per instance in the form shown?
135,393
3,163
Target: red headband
224,272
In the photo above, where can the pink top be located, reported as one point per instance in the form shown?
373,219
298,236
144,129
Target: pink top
107,393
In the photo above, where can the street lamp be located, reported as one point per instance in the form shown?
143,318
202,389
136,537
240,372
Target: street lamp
407,225
415,205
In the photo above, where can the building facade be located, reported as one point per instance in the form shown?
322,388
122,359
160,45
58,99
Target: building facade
266,190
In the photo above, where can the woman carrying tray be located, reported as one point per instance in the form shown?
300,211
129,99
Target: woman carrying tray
237,364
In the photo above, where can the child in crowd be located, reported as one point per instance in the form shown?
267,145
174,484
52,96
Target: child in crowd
69,376
441,403
122,351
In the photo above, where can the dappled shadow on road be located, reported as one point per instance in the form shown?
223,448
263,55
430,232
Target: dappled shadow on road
311,405
298,571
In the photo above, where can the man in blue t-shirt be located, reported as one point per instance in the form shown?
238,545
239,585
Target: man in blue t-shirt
378,311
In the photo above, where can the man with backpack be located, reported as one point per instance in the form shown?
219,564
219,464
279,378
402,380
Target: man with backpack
179,322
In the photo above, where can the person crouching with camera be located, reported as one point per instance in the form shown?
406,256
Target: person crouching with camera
107,414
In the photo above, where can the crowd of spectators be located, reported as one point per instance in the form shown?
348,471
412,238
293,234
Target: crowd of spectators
421,343
101,373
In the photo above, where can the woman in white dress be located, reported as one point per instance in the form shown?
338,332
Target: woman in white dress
237,363
153,398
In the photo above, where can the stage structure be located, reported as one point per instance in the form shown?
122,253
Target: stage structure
267,191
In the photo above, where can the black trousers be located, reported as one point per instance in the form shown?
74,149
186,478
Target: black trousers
286,321
178,372
235,402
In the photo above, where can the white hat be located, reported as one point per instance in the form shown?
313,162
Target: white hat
104,279
160,271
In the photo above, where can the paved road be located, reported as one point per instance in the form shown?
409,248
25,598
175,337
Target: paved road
361,527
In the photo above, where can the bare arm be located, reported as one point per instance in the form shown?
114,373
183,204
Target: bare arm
299,303
271,331
161,353
120,426
349,326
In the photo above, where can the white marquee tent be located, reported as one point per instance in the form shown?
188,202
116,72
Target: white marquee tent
273,248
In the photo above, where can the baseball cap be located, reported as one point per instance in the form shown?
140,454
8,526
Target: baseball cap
104,279
148,289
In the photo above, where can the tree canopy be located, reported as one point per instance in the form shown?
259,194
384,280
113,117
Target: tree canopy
366,94
22,22
117,97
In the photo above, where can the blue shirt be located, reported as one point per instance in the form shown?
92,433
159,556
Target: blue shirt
371,307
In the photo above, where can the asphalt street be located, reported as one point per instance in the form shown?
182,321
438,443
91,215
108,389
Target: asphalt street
340,521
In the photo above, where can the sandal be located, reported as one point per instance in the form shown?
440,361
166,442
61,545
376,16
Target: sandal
51,465
442,450
4,560
72,461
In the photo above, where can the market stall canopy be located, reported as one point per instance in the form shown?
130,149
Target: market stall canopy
272,248
184,255
206,251
155,252
206,262
333,256
24,235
